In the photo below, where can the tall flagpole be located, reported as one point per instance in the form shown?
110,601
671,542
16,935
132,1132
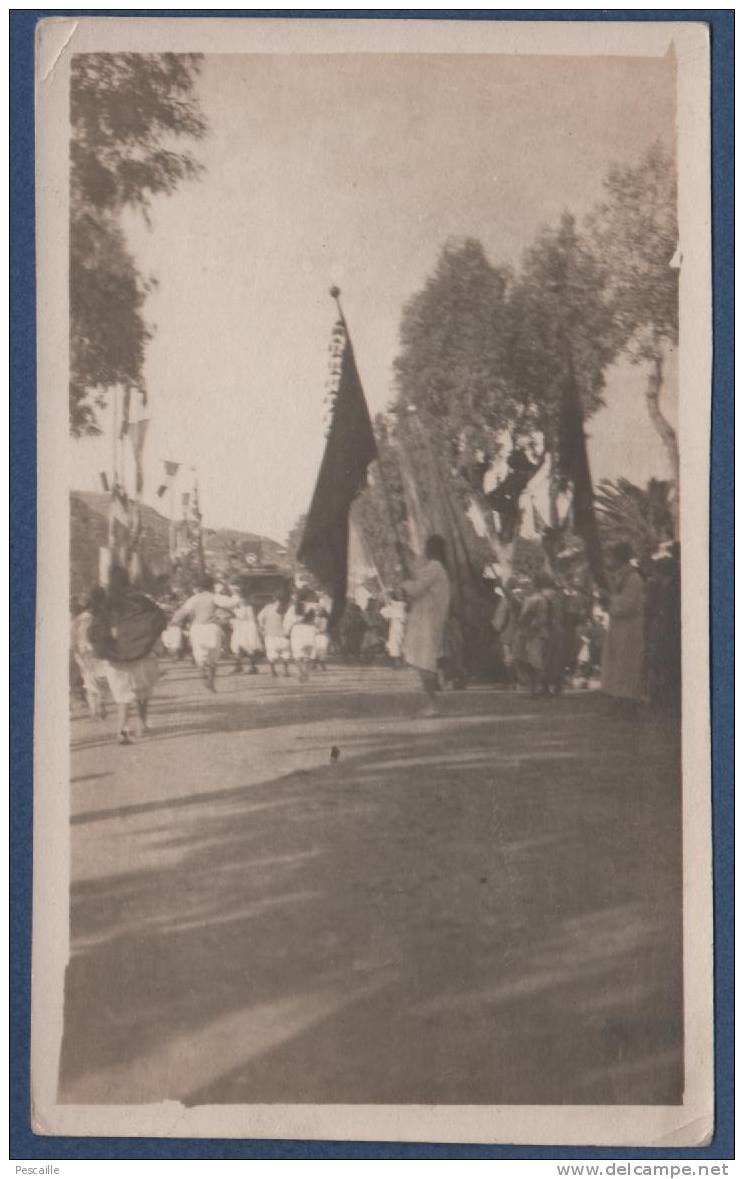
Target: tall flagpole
106,552
172,514
114,432
335,294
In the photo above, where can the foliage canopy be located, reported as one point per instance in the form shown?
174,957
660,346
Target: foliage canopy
130,113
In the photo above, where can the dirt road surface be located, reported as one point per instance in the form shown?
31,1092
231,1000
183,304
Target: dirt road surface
482,908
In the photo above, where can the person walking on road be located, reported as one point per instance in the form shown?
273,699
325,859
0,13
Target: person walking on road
556,647
623,654
533,633
373,642
92,669
126,627
302,639
505,622
322,638
206,633
271,626
429,596
244,640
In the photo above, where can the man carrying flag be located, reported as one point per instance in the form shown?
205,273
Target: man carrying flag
350,448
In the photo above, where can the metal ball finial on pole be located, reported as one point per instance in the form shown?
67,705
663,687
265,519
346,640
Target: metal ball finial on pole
335,293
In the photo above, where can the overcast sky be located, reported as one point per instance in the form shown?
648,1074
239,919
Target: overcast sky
354,170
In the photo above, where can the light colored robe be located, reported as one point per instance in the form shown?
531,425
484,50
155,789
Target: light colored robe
245,637
429,596
395,613
622,656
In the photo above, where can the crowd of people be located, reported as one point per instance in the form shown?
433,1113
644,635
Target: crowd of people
118,632
291,628
548,633
625,639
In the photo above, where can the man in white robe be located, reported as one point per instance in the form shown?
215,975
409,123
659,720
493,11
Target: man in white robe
428,594
623,653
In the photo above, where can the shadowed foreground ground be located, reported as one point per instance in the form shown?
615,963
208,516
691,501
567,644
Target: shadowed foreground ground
480,909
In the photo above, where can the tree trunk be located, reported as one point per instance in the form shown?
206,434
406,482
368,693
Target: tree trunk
666,432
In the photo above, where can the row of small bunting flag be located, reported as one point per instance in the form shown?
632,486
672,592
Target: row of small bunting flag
171,470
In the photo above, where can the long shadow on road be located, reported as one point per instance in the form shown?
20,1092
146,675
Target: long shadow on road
486,916
244,704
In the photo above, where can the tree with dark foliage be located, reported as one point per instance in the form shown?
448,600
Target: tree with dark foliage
454,336
483,361
130,113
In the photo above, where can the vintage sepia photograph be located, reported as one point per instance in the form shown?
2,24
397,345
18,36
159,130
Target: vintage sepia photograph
376,691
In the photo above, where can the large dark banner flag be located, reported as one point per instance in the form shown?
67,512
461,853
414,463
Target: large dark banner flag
350,448
575,467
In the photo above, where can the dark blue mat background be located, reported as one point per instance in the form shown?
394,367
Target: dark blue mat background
23,1143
